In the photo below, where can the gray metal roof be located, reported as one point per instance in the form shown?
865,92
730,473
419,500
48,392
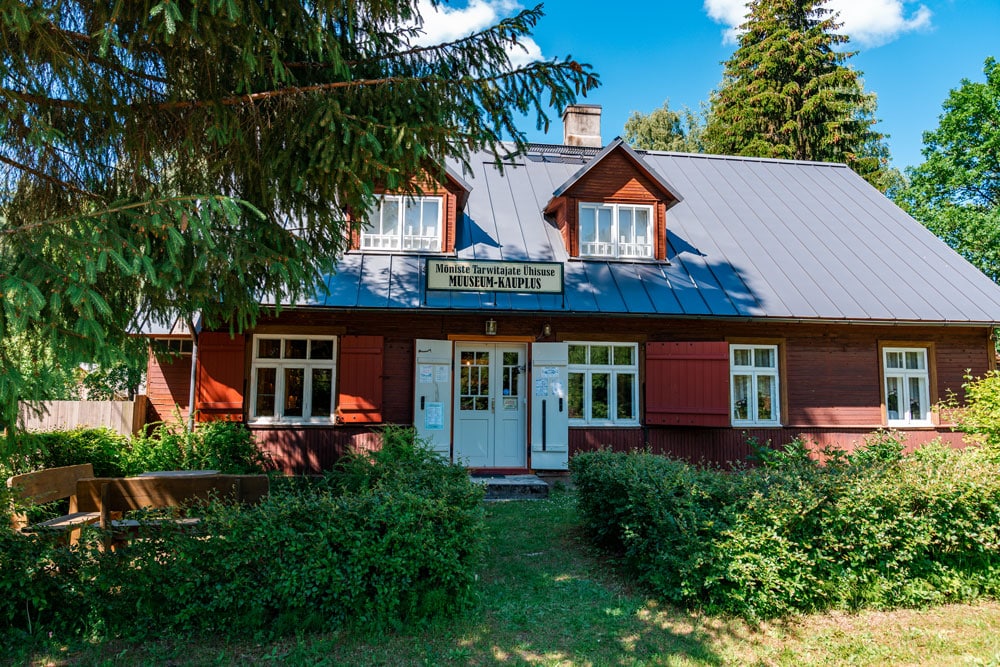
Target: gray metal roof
750,238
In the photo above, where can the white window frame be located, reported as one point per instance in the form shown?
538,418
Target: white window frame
755,373
904,375
617,248
403,240
280,364
613,370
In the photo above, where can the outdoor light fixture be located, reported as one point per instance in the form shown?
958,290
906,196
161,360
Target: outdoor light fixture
546,329
491,327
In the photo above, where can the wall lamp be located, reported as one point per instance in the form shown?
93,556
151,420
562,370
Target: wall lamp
491,327
546,330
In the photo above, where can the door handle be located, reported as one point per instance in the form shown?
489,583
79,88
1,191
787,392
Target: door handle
493,405
422,400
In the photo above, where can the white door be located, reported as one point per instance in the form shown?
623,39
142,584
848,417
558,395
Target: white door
432,394
549,406
490,405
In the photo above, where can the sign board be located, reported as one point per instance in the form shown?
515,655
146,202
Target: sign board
457,275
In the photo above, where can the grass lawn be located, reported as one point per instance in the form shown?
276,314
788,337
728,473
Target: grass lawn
548,599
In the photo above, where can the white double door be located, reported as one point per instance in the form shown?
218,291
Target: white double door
490,405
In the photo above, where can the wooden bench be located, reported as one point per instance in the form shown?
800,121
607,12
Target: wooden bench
113,497
49,485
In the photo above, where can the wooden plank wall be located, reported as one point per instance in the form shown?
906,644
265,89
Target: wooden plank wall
724,446
308,451
124,417
168,385
830,377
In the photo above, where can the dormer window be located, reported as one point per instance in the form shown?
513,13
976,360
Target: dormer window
616,230
404,223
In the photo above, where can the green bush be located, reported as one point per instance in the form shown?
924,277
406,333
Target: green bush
224,446
102,447
875,529
392,538
979,416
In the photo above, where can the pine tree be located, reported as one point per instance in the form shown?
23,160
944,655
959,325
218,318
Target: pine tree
190,156
787,92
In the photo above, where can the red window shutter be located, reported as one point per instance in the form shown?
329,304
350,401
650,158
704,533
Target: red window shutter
360,397
687,384
220,377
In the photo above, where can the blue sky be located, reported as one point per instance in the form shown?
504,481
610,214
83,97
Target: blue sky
911,53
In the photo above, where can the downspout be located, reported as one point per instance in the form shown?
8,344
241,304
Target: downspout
194,372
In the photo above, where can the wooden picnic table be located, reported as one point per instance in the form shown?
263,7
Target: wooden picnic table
179,473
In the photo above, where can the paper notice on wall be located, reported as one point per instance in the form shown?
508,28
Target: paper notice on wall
550,372
426,374
541,387
434,417
440,373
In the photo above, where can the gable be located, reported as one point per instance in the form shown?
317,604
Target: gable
616,176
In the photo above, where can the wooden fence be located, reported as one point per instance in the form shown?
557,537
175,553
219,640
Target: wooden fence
125,417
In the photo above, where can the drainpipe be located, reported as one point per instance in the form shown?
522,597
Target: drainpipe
194,372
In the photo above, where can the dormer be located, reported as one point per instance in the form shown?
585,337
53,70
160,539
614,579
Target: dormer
614,208
420,219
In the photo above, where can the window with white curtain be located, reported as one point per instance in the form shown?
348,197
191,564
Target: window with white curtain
603,383
907,386
754,393
404,223
616,230
292,379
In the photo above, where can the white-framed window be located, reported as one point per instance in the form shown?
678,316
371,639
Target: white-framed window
293,379
753,383
907,386
616,230
404,223
603,384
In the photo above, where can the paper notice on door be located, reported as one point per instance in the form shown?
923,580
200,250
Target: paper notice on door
510,404
434,417
557,390
440,373
550,372
541,387
426,374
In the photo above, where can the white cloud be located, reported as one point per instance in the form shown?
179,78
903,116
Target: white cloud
868,22
445,24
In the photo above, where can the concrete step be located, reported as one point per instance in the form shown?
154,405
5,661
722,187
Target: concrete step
513,487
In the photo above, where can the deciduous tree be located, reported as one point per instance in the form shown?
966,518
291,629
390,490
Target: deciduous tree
664,129
193,155
955,192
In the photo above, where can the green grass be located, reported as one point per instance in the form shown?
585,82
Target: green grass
547,598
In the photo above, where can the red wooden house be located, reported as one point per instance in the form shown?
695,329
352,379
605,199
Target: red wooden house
587,296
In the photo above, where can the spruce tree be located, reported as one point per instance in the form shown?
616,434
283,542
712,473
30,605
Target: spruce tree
169,157
787,92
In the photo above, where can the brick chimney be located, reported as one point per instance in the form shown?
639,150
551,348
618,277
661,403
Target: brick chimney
582,125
